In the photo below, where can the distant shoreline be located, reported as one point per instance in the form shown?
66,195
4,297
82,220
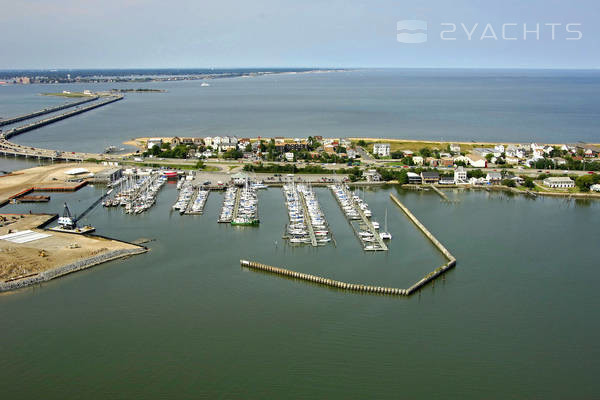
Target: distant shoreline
138,142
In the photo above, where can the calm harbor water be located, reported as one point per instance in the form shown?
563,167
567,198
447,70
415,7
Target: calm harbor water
479,105
515,319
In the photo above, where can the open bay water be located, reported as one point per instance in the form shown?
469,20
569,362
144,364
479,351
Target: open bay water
454,105
514,319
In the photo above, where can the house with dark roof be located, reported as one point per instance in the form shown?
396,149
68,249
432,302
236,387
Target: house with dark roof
430,176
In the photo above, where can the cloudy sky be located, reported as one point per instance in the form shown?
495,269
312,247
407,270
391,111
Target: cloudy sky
285,33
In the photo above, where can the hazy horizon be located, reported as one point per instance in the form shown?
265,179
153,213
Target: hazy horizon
68,34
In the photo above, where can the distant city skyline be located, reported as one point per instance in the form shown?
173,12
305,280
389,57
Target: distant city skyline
68,34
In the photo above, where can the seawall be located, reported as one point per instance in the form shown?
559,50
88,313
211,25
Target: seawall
69,268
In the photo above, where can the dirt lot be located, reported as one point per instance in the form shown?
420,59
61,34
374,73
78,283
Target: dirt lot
44,176
43,254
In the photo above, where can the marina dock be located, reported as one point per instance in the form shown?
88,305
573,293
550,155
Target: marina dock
356,214
229,201
196,205
309,225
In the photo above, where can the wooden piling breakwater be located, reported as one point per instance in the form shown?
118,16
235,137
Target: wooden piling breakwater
324,281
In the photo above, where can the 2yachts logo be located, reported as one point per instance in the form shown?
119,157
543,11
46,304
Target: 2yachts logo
411,31
415,31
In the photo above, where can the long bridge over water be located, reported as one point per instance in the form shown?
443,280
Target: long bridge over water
38,124
48,110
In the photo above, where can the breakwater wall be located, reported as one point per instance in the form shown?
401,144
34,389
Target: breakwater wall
438,271
324,281
79,265
49,110
38,124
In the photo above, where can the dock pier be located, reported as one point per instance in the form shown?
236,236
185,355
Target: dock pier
379,244
442,194
236,206
307,220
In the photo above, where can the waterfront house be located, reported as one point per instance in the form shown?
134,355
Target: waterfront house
460,175
414,178
446,180
372,175
454,148
499,148
430,177
418,160
408,153
289,156
595,188
154,142
517,179
493,178
381,149
559,182
477,181
432,162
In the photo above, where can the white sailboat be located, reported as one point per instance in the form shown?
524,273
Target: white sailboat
385,235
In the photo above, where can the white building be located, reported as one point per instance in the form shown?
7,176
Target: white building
515,151
152,142
493,177
476,161
595,188
381,149
289,157
208,141
455,148
418,160
560,182
460,175
372,175
499,148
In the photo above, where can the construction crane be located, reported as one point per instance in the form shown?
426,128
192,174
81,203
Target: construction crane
67,221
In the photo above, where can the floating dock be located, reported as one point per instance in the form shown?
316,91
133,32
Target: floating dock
199,209
227,211
307,220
